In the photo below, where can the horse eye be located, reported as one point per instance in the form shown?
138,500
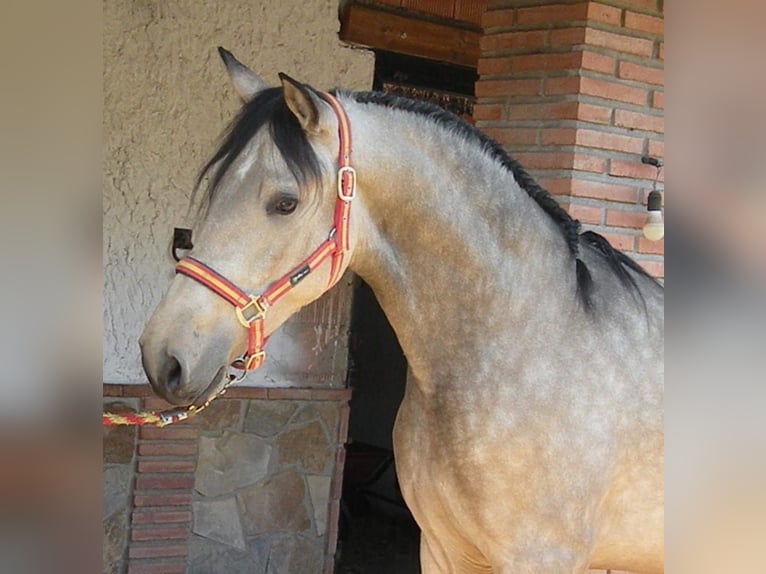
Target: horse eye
285,205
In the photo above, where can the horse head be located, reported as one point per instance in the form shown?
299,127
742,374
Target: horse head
273,237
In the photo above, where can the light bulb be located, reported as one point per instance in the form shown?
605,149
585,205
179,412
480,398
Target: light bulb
654,229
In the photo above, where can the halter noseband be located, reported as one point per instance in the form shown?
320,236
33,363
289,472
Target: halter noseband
251,309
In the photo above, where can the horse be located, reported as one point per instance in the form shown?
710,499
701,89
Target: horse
530,435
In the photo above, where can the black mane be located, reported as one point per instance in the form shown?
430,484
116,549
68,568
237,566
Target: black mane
268,108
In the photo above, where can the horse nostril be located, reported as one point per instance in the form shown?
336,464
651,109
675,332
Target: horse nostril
173,377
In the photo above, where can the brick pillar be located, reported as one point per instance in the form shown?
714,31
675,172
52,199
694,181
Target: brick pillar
575,91
162,499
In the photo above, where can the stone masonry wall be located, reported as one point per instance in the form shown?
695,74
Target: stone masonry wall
575,91
252,484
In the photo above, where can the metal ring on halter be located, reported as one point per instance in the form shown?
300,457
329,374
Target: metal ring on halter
236,379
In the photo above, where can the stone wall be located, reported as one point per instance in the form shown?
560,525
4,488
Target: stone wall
252,484
119,474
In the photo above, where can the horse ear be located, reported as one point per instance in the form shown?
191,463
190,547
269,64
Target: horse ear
302,103
246,82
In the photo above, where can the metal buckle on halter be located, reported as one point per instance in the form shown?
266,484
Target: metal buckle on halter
259,310
244,364
350,172
258,356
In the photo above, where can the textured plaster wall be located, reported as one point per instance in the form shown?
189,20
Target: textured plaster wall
166,101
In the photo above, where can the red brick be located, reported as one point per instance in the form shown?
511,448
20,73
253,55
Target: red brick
512,40
164,533
597,62
545,62
469,11
513,136
497,18
246,393
658,99
657,148
613,91
137,391
289,394
638,121
345,412
645,5
156,567
166,465
558,136
661,51
332,532
161,517
585,213
494,66
635,170
164,482
543,111
568,36
167,449
652,247
108,390
561,160
546,160
552,14
621,241
557,186
164,551
644,23
334,395
639,73
631,219
606,14
162,499
609,191
594,114
526,87
583,162
608,141
618,42
559,86
336,486
435,7
654,268
487,112
173,433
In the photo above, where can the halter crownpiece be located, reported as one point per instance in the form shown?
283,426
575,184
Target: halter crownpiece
251,310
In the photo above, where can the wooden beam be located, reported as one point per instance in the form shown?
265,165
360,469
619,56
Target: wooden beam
382,30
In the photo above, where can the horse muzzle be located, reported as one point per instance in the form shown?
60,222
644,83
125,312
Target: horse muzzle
175,381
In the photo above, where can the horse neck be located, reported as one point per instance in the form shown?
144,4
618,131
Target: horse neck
454,250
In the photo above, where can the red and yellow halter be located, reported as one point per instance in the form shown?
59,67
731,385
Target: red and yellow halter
251,309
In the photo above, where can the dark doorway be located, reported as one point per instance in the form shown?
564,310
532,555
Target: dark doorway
377,532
